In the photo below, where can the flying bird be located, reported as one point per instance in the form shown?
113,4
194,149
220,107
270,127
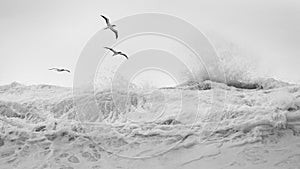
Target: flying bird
110,26
60,70
116,52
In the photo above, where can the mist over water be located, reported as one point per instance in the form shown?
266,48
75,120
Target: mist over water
237,62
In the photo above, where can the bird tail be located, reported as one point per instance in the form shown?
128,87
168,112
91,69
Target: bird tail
106,27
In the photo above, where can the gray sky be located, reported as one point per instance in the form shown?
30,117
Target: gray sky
36,35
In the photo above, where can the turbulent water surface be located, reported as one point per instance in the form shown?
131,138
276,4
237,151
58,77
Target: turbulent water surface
194,125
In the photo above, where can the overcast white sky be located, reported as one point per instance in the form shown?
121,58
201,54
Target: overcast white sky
36,35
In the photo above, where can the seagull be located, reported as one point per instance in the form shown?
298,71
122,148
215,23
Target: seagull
117,52
60,70
110,26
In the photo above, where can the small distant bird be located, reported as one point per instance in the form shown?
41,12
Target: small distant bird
110,26
117,52
60,70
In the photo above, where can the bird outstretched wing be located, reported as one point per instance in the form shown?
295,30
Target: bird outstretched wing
123,54
111,49
106,19
53,69
66,70
115,31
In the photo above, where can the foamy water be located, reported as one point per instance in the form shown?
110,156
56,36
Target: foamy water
187,126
